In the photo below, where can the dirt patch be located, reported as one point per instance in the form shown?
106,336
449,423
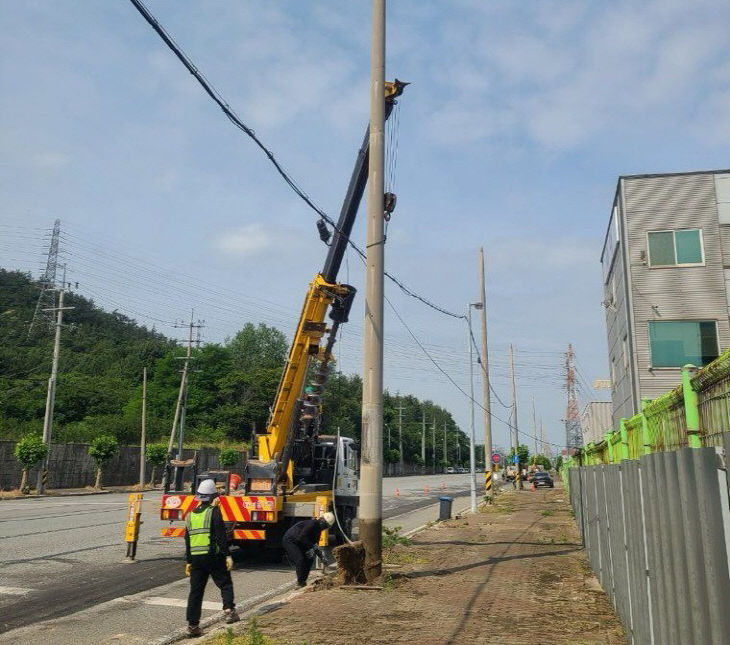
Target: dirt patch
498,577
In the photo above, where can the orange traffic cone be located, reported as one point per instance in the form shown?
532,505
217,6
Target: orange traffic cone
532,487
443,486
396,493
425,490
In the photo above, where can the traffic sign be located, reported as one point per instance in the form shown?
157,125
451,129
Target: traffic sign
515,459
496,457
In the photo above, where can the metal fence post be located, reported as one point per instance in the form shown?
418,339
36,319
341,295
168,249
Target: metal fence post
645,438
624,450
609,448
691,407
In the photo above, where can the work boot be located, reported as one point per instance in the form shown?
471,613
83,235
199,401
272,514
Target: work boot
232,616
194,631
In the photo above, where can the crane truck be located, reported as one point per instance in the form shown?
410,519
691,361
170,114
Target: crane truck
294,472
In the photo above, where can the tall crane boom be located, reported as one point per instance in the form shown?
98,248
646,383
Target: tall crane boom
274,446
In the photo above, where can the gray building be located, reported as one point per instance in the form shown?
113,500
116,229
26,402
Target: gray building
596,420
666,276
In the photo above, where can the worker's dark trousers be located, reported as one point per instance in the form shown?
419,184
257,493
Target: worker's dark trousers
204,566
296,556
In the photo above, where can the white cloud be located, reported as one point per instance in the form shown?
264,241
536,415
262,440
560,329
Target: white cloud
244,242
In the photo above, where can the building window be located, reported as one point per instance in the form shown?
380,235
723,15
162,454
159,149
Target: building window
675,248
679,342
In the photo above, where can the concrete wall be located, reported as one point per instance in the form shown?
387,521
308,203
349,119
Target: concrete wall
71,466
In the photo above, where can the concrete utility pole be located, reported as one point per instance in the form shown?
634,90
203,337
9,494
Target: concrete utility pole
179,417
51,394
515,425
446,452
401,463
472,464
371,465
534,433
423,440
486,394
144,428
433,444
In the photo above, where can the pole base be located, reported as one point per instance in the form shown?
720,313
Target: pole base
371,535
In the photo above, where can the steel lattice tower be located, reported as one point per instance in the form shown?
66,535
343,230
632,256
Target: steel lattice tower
573,435
46,299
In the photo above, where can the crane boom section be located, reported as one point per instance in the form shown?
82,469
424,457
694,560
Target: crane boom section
310,330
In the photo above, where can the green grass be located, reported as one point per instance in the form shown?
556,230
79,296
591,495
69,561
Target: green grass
547,513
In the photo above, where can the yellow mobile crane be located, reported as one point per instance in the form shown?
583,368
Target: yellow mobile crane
294,472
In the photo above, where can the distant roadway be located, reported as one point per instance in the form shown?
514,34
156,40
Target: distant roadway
62,555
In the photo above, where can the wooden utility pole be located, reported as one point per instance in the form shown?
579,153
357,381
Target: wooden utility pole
371,465
515,425
51,394
144,429
489,465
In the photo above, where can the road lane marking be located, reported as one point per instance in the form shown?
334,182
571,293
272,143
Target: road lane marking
178,602
15,591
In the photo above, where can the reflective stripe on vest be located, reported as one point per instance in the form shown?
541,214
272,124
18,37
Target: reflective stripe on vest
198,526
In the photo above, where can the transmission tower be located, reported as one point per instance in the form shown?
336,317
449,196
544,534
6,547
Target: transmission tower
573,435
47,297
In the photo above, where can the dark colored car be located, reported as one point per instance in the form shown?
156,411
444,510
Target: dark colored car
541,478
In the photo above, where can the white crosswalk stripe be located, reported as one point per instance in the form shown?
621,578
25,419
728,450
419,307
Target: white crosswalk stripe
14,591
178,602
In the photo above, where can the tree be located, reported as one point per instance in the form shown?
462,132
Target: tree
29,451
543,461
523,453
228,457
392,456
101,450
558,462
156,454
256,347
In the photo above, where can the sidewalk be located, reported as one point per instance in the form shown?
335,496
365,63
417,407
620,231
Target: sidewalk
514,573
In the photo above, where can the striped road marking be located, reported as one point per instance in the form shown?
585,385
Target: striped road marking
14,591
177,602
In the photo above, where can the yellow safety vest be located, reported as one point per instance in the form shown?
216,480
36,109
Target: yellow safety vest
198,526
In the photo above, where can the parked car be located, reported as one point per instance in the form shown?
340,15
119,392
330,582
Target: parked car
462,471
541,478
450,470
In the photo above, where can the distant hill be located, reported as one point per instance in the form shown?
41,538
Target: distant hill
100,365
232,385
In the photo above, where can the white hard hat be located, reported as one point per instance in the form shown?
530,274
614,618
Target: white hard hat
329,518
207,487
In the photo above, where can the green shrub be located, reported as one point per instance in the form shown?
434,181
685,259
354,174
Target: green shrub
156,454
29,451
228,457
101,450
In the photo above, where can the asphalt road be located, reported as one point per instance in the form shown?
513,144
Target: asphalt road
64,557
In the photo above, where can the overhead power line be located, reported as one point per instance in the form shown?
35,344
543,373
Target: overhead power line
233,117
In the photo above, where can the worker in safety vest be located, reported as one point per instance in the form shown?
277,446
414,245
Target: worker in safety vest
206,551
300,543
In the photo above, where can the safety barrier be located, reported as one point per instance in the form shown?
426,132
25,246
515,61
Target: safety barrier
694,414
657,534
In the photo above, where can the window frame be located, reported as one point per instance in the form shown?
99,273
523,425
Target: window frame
680,320
676,264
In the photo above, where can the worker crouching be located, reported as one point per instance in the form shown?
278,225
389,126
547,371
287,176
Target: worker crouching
300,543
207,555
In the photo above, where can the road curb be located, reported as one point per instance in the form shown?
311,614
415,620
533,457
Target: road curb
250,607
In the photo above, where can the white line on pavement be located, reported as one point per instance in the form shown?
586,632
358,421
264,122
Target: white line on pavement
177,602
14,591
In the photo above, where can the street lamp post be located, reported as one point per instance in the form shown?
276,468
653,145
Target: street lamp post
472,465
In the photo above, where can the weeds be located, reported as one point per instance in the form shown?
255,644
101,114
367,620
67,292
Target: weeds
392,537
547,513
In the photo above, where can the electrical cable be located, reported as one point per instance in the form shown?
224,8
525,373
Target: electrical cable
228,111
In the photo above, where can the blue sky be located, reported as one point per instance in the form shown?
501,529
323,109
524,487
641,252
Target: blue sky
519,119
